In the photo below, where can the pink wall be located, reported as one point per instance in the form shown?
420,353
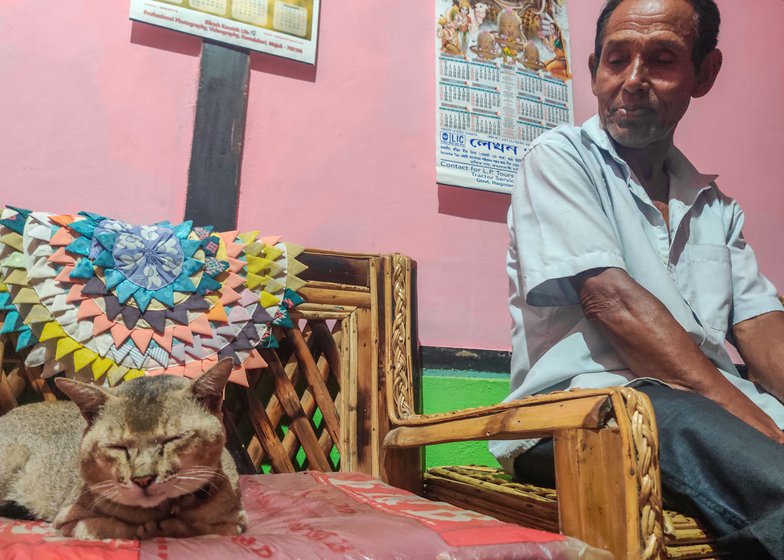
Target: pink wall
97,114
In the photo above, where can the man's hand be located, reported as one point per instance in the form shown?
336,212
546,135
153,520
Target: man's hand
653,344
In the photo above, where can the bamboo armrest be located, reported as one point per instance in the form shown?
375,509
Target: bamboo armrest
526,418
535,416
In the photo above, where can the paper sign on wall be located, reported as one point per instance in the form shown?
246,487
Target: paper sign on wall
503,77
287,28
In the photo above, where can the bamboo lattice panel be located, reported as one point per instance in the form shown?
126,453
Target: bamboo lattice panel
292,405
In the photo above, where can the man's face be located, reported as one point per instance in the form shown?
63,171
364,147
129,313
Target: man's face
645,78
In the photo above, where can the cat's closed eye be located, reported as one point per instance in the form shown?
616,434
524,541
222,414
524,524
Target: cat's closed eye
119,447
172,439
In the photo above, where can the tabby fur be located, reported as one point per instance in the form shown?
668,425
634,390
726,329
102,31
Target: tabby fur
143,460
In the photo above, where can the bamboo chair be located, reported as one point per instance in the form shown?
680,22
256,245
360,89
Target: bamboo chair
341,393
608,485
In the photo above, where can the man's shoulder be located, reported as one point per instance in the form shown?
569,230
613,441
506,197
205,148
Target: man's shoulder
563,135
570,138
565,146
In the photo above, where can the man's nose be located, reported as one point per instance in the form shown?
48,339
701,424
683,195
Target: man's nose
637,76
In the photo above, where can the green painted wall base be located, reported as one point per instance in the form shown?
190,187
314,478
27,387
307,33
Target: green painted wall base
446,390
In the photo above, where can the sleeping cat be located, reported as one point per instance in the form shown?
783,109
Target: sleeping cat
149,461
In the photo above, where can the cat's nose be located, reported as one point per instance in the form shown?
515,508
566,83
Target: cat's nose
142,482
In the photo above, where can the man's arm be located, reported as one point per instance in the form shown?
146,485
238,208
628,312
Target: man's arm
653,344
760,342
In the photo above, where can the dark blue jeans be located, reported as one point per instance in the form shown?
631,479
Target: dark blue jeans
713,466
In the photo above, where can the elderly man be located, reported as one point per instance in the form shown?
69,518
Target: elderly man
629,267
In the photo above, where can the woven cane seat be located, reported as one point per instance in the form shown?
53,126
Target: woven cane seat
493,492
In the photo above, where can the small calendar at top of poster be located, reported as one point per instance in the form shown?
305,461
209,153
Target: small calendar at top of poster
503,77
287,28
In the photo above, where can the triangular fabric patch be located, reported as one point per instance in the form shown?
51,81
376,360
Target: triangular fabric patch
26,295
94,287
141,337
101,366
61,238
61,257
88,309
268,300
18,277
12,240
201,325
120,334
65,346
83,357
37,314
218,314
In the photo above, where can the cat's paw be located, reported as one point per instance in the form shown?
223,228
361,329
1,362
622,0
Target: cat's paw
66,529
62,518
66,519
175,528
242,521
82,530
149,530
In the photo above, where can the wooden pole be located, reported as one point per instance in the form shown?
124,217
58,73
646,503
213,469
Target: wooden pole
218,137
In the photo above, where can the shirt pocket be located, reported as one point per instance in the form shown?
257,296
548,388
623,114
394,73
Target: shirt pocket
710,284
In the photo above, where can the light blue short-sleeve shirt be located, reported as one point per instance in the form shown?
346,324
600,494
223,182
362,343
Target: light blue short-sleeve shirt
577,206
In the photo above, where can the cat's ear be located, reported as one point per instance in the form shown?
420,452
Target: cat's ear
208,389
89,398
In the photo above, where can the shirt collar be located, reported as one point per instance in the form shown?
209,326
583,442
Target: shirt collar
685,181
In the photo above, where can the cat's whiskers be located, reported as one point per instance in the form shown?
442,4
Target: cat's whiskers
99,486
201,482
205,471
183,491
201,471
98,490
106,499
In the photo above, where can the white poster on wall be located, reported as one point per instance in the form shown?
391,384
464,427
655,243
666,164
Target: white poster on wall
503,77
287,28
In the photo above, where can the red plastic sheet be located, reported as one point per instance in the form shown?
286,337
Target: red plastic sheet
335,516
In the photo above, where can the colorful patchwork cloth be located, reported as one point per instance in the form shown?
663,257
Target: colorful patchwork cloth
100,299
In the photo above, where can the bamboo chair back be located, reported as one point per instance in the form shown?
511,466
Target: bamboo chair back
331,388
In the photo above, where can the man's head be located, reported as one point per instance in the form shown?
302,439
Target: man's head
707,21
651,57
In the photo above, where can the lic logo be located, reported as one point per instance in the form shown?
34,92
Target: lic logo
453,138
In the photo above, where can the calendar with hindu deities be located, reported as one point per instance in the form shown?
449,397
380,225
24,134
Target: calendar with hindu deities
503,77
287,28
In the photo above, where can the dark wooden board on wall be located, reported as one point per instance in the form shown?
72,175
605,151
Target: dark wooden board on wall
218,136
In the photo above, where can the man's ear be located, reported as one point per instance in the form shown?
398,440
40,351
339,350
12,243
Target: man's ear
208,389
89,398
706,75
592,68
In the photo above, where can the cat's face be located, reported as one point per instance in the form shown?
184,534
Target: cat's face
151,439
